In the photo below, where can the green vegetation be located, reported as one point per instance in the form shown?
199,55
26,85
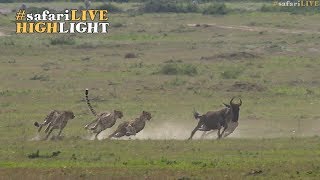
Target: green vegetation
169,64
292,10
154,6
232,158
175,69
39,10
216,9
62,40
110,7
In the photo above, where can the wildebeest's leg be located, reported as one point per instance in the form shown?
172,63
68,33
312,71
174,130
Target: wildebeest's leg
203,134
230,129
227,133
219,129
224,129
195,130
206,133
49,133
219,135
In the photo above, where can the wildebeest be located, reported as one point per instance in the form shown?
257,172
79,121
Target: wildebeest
215,120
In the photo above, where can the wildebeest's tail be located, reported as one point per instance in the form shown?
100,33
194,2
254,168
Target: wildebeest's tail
89,104
196,115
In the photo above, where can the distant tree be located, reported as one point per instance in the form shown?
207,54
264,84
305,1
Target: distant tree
87,3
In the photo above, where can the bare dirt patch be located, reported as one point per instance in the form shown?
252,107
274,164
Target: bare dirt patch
231,56
2,34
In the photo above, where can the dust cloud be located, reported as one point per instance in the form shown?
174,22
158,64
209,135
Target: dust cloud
166,131
246,129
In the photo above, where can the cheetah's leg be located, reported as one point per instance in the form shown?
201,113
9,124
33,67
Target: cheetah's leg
95,126
60,131
47,120
96,136
130,130
49,133
48,127
88,125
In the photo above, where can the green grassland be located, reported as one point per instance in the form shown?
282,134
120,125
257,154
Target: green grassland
269,59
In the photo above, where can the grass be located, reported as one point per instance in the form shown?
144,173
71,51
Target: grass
177,68
173,158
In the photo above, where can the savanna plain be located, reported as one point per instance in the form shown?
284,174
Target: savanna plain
169,64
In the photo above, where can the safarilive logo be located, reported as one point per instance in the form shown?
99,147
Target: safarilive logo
71,21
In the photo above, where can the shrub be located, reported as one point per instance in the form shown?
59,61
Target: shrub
130,55
292,10
170,69
40,77
153,6
62,40
189,69
6,1
110,7
39,10
216,9
175,69
116,25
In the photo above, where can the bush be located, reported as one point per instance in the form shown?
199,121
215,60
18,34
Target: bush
153,6
39,10
116,25
130,55
216,9
40,77
62,40
6,1
110,7
190,70
292,10
175,69
170,69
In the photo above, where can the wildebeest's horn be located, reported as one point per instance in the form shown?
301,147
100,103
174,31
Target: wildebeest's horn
231,101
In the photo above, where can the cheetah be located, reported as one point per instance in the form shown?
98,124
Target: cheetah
55,120
129,128
102,120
